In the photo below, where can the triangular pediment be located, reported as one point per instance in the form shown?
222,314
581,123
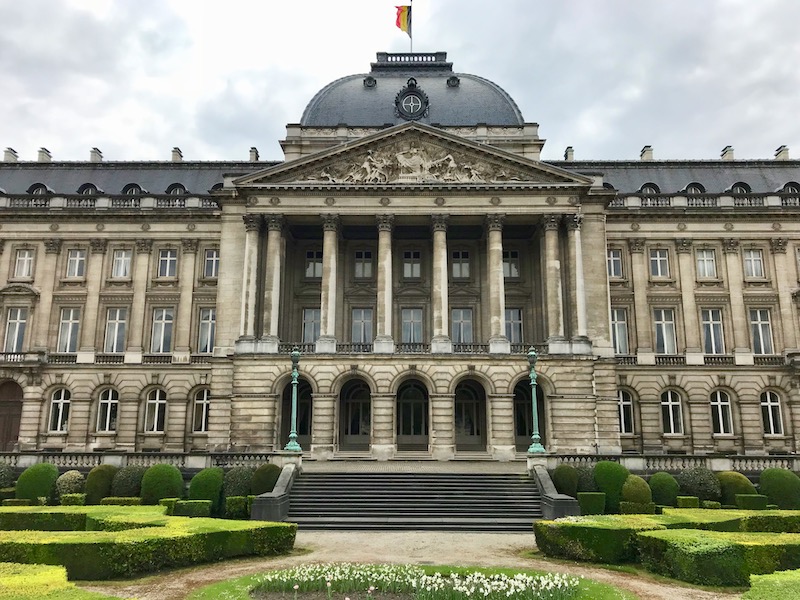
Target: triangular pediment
412,154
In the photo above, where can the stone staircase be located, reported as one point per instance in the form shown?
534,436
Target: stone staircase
414,501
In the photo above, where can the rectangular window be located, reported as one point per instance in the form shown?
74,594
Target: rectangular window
761,330
625,404
68,330
76,262
619,330
614,262
659,262
116,319
461,325
706,264
514,325
121,264
411,319
713,340
510,264
314,264
23,265
207,326
161,340
412,264
363,264
211,264
311,324
664,319
753,264
168,262
15,329
362,326
460,264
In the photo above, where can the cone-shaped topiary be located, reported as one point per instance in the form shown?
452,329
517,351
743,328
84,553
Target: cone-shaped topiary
128,482
264,479
700,482
565,478
6,476
207,485
636,490
610,477
71,482
782,487
98,483
37,481
237,481
665,488
586,482
732,483
161,481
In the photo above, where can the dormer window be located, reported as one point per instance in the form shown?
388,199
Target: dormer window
792,189
695,188
88,189
38,189
740,188
176,189
132,189
649,189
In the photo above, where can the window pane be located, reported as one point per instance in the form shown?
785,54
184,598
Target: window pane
15,329
311,325
461,325
412,325
207,330
121,267
619,330
211,264
514,325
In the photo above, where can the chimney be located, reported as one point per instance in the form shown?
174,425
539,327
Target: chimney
569,153
253,154
646,153
10,155
95,155
177,155
44,155
727,153
782,153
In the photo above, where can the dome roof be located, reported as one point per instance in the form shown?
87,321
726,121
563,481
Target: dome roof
432,92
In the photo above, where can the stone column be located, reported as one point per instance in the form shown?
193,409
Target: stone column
137,308
577,295
272,283
498,342
383,445
384,343
639,274
593,244
89,319
555,299
323,425
691,324
247,329
743,355
46,280
441,434
784,285
326,344
183,319
441,343
500,429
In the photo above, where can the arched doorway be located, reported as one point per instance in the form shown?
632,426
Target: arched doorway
523,415
355,416
412,417
303,414
10,414
470,416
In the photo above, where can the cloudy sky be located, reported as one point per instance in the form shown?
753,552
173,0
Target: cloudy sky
214,77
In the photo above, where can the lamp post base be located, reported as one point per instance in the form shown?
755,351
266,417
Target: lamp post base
536,448
293,447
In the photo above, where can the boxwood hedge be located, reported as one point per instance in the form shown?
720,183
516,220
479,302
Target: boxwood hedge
40,582
161,481
37,481
610,477
732,483
781,486
207,485
98,483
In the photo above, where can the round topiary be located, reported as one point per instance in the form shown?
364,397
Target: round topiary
207,485
586,482
71,482
98,483
7,477
782,487
664,488
732,483
636,490
161,481
610,477
127,482
237,481
264,479
700,482
565,478
37,481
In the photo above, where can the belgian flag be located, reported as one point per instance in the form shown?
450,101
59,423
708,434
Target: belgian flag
404,18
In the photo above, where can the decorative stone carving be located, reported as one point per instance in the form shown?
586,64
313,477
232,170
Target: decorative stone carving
385,222
439,222
252,222
574,221
385,202
98,246
778,245
330,222
636,245
52,246
54,227
145,226
330,201
274,201
144,246
495,201
495,222
683,245
730,245
2,246
439,201
189,245
274,222
551,222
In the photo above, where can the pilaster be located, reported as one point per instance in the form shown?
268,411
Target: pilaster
89,321
46,280
183,321
741,324
137,310
691,325
577,295
639,271
382,444
442,437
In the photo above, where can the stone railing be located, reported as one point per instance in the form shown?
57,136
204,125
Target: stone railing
675,463
704,201
144,201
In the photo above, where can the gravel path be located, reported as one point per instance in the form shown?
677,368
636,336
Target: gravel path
415,547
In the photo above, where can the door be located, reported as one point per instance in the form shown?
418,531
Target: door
523,415
10,414
355,416
303,415
412,417
470,417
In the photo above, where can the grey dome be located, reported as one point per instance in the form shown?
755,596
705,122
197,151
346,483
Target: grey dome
368,100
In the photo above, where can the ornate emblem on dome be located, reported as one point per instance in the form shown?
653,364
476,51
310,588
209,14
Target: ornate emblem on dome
411,103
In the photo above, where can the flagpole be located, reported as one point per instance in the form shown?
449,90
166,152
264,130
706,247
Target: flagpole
411,27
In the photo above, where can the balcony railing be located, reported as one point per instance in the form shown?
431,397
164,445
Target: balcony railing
12,357
304,348
670,360
58,358
470,348
405,348
200,359
126,202
701,202
524,348
354,348
156,359
660,201
627,359
170,202
769,361
717,360
748,201
109,359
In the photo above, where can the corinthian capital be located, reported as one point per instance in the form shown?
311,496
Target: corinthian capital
495,222
252,222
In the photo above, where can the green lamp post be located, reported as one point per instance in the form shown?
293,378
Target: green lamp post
293,446
536,440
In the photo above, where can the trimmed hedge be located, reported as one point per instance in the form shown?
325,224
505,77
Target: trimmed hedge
40,582
37,481
710,504
751,501
128,481
782,585
9,492
7,477
664,488
610,477
700,482
688,502
19,502
98,483
71,482
565,478
781,486
637,508
73,499
236,507
161,481
237,481
592,503
264,479
170,504
192,508
732,483
207,485
121,501
586,482
636,490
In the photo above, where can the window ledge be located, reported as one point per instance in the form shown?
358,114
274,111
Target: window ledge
105,434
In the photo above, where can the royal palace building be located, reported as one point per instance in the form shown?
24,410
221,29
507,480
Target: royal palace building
413,246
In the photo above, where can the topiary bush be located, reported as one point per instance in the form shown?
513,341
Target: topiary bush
592,503
637,491
37,481
586,482
98,483
121,501
236,507
688,502
161,481
700,482
732,483
664,488
192,508
264,479
751,501
128,481
73,499
710,504
237,481
71,482
610,477
7,476
207,485
637,508
169,503
782,487
565,478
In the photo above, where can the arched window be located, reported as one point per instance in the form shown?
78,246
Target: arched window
107,410
625,405
648,189
59,410
132,189
721,421
202,400
88,189
671,413
155,411
38,189
176,189
740,187
695,188
791,189
771,413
